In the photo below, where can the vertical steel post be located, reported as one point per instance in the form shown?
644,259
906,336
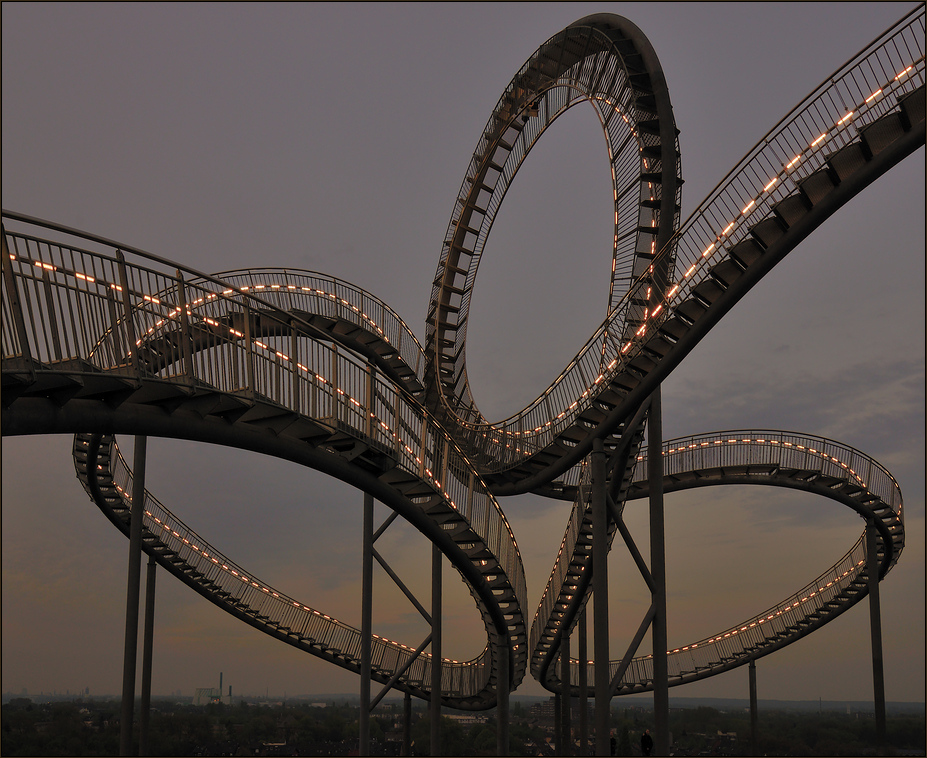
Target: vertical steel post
600,600
658,573
407,725
363,746
132,596
753,709
558,723
147,650
565,732
875,627
435,705
583,655
502,707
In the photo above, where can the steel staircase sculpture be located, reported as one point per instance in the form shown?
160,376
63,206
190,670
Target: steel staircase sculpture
101,339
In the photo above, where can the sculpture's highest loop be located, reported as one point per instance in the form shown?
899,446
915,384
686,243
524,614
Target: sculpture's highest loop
607,61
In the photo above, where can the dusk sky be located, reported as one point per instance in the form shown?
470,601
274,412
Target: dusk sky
334,138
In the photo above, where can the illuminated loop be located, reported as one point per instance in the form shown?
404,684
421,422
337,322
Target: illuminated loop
606,61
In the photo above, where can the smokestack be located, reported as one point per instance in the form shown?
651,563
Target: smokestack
220,682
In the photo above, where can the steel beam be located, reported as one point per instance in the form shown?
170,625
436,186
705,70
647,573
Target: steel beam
147,651
583,655
130,655
435,705
875,627
600,599
502,707
406,749
658,573
753,709
363,740
566,748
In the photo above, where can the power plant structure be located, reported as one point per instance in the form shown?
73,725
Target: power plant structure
208,695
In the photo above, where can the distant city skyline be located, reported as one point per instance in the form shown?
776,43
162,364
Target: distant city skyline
334,138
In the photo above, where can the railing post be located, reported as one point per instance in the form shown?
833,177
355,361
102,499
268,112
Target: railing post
368,428
249,349
186,340
9,283
127,309
132,596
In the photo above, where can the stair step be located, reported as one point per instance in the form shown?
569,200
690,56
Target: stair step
846,161
883,132
818,185
913,107
792,208
727,272
767,231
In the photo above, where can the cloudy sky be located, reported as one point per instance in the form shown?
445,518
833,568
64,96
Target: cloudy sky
334,138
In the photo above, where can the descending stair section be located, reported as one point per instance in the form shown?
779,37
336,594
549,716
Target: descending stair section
344,313
108,341
568,588
108,480
782,459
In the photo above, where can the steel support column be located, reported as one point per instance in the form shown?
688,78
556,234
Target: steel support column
363,740
875,626
600,599
406,725
558,723
132,596
147,651
658,572
753,709
583,654
565,730
435,705
502,706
